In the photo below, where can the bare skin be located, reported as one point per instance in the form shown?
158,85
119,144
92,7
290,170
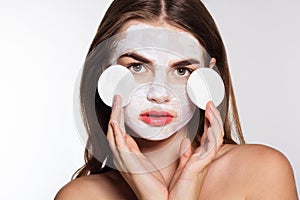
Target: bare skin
228,172
238,172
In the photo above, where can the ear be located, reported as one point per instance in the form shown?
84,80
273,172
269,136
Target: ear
212,62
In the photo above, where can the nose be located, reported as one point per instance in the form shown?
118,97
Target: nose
158,94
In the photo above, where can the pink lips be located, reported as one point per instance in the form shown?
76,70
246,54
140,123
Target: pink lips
156,118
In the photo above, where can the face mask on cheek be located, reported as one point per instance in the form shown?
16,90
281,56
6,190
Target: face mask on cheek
157,111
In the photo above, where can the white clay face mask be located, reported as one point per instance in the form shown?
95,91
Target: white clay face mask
161,94
162,76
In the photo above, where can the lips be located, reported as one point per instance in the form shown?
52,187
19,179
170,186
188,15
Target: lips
156,117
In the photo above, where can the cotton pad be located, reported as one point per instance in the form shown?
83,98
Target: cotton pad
204,85
116,79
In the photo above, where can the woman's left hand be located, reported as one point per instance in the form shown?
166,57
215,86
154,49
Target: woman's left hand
145,180
192,169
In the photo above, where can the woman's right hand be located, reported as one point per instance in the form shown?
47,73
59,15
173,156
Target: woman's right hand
193,166
142,176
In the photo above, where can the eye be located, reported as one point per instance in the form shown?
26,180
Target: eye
182,71
136,67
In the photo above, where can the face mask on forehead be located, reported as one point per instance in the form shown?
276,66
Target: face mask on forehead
144,37
152,72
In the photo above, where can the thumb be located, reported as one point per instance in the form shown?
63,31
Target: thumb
185,147
185,153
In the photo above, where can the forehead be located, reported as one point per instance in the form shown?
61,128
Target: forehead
145,37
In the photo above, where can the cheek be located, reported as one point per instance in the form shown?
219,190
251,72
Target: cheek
182,95
184,104
137,104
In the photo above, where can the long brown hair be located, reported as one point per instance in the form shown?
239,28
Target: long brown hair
190,15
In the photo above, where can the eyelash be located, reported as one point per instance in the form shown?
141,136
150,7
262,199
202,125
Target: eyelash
188,69
135,64
185,68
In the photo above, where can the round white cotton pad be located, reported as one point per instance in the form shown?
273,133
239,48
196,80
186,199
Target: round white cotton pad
204,85
116,79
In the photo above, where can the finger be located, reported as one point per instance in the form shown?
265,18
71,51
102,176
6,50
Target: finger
129,154
204,151
205,154
208,123
132,145
140,161
117,134
124,141
110,135
209,111
218,130
113,115
119,137
185,151
119,112
217,113
214,121
185,154
210,107
212,138
116,108
210,142
210,147
112,144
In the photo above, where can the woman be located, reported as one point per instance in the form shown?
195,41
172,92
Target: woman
195,159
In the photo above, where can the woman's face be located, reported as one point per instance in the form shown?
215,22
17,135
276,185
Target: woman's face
161,60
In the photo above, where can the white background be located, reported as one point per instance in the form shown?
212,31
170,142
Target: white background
43,45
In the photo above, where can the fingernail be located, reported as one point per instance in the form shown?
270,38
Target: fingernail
212,105
123,133
210,112
115,100
115,123
203,153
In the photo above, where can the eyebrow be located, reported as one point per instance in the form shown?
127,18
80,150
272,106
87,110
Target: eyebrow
136,57
147,61
186,62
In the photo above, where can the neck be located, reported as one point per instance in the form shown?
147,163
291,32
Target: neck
164,154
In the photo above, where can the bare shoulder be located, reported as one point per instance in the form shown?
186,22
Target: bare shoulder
258,158
93,187
259,171
255,154
87,187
